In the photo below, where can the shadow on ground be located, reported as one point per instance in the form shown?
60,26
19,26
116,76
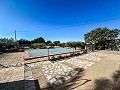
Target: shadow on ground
73,82
108,84
62,83
20,85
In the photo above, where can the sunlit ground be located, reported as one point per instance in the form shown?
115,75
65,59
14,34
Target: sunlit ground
80,72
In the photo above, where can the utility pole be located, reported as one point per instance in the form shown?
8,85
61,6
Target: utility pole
48,53
15,35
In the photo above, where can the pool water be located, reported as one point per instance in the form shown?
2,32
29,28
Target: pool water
44,52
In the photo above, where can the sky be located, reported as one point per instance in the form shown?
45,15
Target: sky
63,20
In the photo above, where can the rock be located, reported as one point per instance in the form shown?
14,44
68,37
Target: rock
73,73
66,78
65,70
46,71
58,82
60,69
28,73
52,81
58,76
49,77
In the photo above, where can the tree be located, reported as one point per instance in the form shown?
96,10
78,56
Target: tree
62,44
76,44
51,44
69,44
100,36
38,40
24,42
47,42
38,45
56,42
7,44
80,44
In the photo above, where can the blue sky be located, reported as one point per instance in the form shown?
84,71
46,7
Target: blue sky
42,18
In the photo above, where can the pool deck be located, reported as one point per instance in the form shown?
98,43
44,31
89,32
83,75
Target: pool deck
76,73
27,57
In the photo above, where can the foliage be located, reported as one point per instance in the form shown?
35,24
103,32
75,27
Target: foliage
101,36
7,44
76,44
38,40
70,44
62,44
51,44
47,42
23,41
56,42
38,45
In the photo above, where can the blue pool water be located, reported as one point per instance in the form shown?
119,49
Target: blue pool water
44,52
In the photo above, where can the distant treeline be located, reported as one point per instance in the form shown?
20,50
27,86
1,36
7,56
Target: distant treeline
41,43
12,45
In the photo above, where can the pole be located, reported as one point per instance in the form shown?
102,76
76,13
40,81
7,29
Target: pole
15,35
48,53
73,50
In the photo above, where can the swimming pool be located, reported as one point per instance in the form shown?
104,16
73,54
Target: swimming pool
44,52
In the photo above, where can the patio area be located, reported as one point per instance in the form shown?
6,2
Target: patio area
77,72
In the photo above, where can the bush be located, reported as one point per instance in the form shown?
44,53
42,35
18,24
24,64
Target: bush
38,45
7,44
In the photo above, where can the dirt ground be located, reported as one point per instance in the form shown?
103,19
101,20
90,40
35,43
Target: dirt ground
102,69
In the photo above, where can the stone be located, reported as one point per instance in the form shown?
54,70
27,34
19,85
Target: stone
59,73
67,73
66,78
28,73
49,77
73,73
60,69
52,81
58,82
32,65
46,71
58,76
